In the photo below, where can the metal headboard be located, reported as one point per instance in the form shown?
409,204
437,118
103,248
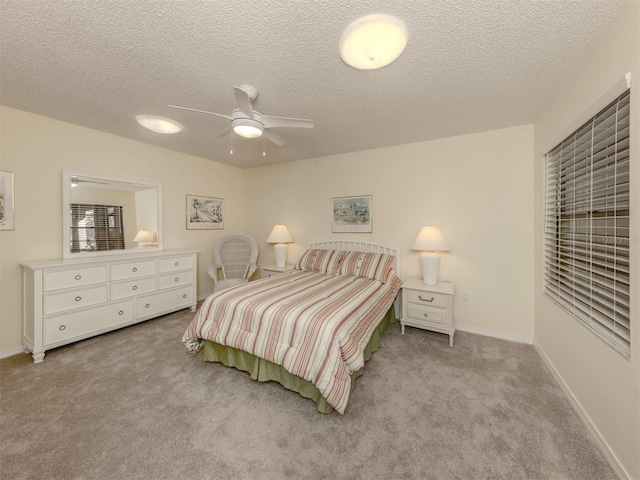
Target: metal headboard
357,246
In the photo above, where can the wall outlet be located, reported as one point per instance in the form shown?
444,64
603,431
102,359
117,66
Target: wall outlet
465,295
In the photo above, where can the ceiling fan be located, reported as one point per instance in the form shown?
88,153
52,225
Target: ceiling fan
248,123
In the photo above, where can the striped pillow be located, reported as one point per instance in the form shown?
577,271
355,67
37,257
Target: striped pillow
322,261
376,266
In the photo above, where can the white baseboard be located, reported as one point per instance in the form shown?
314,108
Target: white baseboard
12,352
584,417
492,333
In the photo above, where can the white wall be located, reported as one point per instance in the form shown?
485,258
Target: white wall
602,382
37,149
477,188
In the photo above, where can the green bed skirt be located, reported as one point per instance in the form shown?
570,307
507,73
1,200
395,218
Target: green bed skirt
265,371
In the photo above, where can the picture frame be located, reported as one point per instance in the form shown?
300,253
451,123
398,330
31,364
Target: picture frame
204,213
352,214
7,207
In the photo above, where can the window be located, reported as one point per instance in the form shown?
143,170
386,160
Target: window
586,244
96,228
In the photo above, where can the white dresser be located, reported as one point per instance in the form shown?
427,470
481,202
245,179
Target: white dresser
68,300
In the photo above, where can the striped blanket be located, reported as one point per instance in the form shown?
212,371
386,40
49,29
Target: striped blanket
314,325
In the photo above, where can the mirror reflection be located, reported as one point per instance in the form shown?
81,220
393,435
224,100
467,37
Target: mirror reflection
109,216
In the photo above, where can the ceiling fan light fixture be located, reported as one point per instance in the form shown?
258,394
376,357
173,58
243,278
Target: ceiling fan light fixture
373,41
162,125
247,128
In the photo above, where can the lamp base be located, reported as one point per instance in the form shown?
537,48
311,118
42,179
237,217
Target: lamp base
280,251
430,263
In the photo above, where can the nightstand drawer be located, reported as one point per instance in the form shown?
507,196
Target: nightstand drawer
426,314
429,299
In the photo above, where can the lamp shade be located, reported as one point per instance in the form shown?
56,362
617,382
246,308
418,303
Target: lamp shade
143,236
279,234
430,239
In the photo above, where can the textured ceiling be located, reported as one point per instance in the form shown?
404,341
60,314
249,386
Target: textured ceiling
470,65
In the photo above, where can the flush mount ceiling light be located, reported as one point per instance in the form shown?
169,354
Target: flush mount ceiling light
159,124
247,127
373,41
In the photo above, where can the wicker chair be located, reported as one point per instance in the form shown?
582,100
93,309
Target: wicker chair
234,258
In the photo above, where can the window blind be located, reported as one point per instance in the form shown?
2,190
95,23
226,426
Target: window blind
586,233
96,227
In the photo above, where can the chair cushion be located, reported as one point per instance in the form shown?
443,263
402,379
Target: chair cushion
226,283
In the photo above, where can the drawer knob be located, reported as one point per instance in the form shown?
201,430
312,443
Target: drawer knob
425,315
134,269
184,295
121,312
78,298
147,306
426,299
177,263
78,277
177,279
62,327
135,287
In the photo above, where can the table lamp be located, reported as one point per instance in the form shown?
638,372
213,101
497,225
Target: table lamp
280,236
430,241
143,238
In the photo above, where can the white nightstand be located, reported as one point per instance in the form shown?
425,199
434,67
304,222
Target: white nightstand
272,270
429,307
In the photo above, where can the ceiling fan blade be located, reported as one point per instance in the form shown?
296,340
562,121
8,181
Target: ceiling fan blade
274,137
200,111
244,101
274,122
223,133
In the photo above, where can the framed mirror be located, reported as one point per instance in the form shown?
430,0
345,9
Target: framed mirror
107,216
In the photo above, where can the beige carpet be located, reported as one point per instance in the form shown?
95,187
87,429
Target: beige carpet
133,405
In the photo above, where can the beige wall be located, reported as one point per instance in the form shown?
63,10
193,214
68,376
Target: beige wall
603,383
477,188
37,149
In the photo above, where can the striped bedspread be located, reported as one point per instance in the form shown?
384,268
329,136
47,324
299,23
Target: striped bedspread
314,325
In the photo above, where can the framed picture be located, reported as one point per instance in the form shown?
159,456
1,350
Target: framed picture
6,201
352,214
204,213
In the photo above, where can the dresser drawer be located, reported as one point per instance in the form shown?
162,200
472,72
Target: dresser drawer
72,325
176,263
133,287
77,277
121,271
427,298
426,314
59,302
165,301
175,280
